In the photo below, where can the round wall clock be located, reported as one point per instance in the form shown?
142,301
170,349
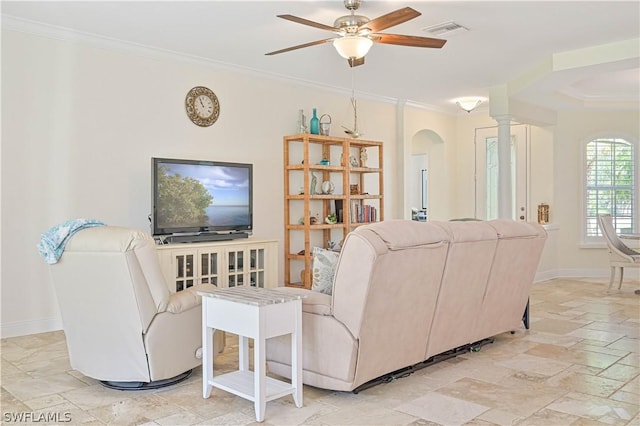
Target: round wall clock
202,106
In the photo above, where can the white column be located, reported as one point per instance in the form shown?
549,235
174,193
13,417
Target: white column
505,201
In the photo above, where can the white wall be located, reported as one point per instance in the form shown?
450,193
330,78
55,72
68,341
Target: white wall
419,163
80,124
542,171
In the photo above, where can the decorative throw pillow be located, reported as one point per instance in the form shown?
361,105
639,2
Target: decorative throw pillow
324,268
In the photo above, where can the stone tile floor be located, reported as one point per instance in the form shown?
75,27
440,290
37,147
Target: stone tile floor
578,365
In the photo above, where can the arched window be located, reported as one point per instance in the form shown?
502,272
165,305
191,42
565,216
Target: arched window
610,185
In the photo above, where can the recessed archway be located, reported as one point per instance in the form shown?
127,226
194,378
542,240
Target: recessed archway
426,165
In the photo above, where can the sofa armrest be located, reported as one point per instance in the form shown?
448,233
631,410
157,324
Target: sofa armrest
186,299
313,302
317,303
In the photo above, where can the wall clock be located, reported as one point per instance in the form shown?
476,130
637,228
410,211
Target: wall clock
202,106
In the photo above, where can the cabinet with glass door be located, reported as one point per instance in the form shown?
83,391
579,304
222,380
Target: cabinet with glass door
223,264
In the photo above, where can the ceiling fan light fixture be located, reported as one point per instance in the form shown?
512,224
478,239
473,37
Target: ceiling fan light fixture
352,46
469,104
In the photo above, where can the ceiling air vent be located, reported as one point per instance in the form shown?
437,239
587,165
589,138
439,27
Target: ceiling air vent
447,28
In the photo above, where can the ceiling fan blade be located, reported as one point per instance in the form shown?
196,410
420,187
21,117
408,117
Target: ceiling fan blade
308,22
354,62
300,46
407,40
390,19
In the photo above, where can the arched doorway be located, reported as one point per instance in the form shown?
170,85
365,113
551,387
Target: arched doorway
426,165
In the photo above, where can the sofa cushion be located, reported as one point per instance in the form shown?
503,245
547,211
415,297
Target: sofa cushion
324,269
402,234
511,229
317,303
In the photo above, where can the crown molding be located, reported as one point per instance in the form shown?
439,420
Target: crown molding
13,23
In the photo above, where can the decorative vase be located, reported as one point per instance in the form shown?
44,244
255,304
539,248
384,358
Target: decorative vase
363,157
302,120
325,125
543,213
314,182
327,187
314,124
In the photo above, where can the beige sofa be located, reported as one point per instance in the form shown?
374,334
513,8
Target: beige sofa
406,291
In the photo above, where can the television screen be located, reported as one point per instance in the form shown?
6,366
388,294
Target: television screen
192,196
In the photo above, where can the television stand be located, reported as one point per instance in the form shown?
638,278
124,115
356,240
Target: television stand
204,237
230,263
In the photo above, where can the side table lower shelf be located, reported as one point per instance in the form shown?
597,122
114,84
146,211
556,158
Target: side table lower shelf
241,383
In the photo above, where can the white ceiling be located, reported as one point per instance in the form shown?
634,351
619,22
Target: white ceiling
556,55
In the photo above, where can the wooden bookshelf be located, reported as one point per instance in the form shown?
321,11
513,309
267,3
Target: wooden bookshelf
358,189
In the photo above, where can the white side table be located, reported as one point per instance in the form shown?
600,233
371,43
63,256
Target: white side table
256,313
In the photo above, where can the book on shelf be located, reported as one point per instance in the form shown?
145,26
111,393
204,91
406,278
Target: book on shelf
363,213
339,211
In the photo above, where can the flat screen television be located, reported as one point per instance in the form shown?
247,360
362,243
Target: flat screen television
194,200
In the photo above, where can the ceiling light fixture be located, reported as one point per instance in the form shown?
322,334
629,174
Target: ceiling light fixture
469,104
352,46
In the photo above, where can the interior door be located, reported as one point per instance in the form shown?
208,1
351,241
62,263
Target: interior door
486,165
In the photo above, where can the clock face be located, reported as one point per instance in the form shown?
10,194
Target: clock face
202,106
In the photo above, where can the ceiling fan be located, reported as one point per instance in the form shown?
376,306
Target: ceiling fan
356,33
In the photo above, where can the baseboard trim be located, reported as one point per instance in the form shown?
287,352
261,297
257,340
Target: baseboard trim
544,276
23,328
570,273
629,273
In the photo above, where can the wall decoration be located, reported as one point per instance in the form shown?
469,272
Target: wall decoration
202,106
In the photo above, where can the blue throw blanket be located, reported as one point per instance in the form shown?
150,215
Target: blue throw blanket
53,241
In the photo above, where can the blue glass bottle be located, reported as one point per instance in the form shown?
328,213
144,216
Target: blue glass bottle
314,124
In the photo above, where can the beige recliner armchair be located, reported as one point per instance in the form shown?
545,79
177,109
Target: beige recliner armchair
122,325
